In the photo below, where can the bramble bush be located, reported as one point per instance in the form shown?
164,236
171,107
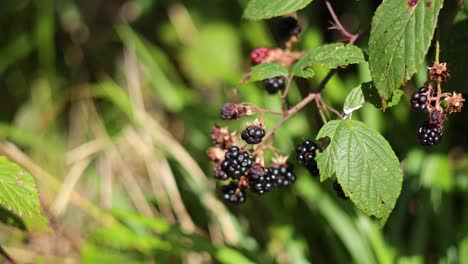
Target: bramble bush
337,132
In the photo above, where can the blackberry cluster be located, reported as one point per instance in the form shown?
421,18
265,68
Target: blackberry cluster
233,193
306,154
281,175
339,191
236,163
287,28
259,55
419,99
274,84
253,134
430,134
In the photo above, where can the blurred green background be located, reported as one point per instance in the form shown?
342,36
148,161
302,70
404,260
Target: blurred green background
109,104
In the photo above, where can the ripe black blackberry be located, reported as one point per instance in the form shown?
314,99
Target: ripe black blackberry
287,28
429,134
259,181
339,191
281,175
233,194
253,134
236,162
419,99
306,154
274,84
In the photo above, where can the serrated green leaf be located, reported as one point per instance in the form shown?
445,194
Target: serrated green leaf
18,191
264,71
329,56
365,166
262,9
353,101
401,34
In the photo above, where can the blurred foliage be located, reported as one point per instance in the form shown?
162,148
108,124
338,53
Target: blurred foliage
109,104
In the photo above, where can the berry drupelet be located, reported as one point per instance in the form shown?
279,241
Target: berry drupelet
339,191
287,28
281,175
253,134
259,55
306,154
419,99
233,194
274,84
236,162
429,134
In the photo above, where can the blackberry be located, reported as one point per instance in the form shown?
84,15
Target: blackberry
233,194
274,84
419,99
287,28
253,134
236,162
259,181
231,111
339,191
429,134
306,154
259,55
281,175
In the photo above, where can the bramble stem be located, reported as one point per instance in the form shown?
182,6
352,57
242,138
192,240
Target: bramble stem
5,255
351,38
437,52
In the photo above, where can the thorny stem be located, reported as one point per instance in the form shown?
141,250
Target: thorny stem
5,255
313,96
338,26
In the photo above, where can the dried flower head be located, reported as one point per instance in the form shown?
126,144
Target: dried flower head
454,103
439,72
231,111
222,137
215,154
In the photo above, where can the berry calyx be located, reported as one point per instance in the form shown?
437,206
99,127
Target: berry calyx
236,162
253,134
429,134
339,191
306,154
287,28
281,175
274,84
259,55
233,194
419,99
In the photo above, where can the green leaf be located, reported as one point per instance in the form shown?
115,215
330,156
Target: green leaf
264,71
401,34
365,166
353,101
262,9
18,191
372,96
330,56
